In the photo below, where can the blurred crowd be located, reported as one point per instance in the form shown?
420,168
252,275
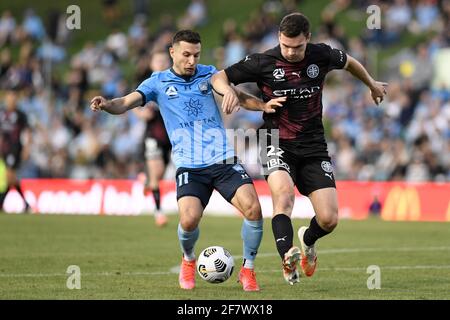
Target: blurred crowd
406,138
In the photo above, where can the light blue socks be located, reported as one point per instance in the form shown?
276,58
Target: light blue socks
187,242
251,233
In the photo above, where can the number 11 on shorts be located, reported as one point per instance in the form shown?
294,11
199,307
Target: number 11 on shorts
183,178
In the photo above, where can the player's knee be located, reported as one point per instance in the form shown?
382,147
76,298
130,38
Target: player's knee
329,220
188,224
253,211
189,220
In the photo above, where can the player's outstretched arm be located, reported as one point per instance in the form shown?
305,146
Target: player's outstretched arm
233,97
251,102
377,89
117,105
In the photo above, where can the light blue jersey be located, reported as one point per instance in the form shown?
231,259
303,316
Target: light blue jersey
191,116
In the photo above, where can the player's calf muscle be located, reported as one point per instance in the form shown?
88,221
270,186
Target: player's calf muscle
283,201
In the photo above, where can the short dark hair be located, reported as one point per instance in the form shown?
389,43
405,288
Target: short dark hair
187,36
294,24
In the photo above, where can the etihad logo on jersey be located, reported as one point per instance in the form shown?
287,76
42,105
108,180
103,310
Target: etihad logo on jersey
278,74
297,93
171,92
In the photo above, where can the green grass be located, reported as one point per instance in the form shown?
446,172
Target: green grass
129,258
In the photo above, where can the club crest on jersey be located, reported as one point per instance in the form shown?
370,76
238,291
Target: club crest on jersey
326,166
312,71
172,92
278,74
193,107
203,87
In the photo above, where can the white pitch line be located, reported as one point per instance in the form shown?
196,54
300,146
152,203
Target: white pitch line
133,274
176,269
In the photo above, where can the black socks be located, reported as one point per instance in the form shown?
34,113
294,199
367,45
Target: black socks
313,233
283,233
157,197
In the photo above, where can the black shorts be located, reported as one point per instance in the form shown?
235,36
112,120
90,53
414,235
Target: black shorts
155,149
309,173
200,182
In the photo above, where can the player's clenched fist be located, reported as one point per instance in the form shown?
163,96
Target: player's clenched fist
98,103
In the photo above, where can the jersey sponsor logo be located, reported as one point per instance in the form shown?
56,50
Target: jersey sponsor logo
278,74
203,87
247,58
298,93
296,74
171,92
326,166
277,163
312,71
193,107
211,121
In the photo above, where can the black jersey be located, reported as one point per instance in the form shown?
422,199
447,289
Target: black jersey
300,118
12,124
155,129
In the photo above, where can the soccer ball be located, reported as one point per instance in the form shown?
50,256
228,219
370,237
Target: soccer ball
215,264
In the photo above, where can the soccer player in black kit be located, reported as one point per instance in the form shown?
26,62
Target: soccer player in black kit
13,131
156,145
296,69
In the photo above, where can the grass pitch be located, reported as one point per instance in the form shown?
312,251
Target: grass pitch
130,258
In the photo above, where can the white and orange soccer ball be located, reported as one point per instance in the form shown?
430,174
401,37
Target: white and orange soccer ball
215,264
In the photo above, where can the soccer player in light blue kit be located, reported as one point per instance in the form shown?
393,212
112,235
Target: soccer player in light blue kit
204,159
